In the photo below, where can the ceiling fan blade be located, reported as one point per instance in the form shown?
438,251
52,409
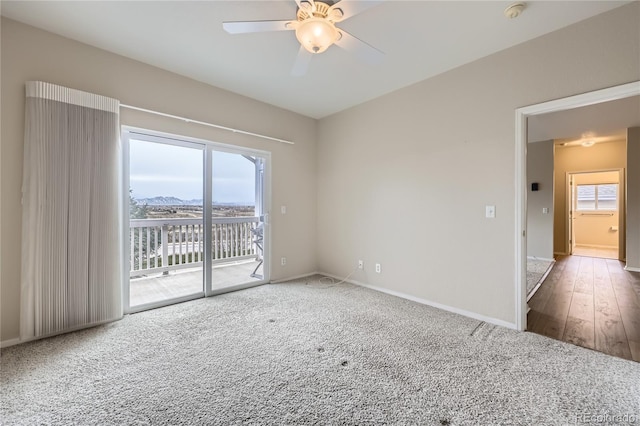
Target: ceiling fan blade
362,50
257,26
345,9
307,5
302,62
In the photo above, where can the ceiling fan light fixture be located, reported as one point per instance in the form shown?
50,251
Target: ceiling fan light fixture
315,29
316,34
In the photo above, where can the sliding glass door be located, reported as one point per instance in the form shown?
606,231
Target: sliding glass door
166,221
197,219
237,217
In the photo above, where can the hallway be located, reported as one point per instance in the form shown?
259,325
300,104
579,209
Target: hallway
590,302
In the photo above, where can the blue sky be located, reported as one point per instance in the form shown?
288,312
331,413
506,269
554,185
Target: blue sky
168,170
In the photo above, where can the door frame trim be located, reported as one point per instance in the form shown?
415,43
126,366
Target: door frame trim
521,115
569,236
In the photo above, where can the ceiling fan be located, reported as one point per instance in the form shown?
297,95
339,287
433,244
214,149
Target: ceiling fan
315,28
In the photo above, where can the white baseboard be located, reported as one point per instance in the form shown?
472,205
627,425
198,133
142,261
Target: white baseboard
295,277
544,259
16,341
463,312
596,246
448,308
631,269
9,342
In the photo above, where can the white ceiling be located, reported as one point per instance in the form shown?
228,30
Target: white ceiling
420,39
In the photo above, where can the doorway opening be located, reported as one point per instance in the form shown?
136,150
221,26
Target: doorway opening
195,219
586,300
522,115
596,216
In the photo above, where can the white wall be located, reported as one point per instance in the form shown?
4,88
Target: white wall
32,54
404,179
633,199
540,224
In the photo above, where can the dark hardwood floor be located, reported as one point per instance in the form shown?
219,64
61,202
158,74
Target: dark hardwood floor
589,302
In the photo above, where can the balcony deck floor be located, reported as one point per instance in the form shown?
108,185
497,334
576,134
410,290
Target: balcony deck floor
158,287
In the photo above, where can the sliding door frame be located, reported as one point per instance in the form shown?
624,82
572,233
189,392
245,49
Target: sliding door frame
266,194
153,137
208,147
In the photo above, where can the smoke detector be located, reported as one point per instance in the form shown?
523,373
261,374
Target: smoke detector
514,10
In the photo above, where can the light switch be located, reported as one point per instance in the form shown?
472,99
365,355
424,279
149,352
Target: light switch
545,210
490,211
283,209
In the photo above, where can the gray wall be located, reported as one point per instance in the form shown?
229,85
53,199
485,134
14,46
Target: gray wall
32,54
404,179
539,224
633,199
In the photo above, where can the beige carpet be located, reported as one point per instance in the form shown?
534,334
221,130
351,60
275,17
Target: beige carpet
311,353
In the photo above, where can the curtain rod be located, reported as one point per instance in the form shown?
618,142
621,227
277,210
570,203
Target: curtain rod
204,123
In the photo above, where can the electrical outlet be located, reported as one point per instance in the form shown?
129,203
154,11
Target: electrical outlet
377,267
490,211
360,264
283,261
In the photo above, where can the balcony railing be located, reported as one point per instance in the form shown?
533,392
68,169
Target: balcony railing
162,245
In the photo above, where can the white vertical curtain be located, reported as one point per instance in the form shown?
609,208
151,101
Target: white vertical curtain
71,223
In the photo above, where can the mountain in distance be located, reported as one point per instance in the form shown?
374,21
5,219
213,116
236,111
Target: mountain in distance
174,201
167,201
